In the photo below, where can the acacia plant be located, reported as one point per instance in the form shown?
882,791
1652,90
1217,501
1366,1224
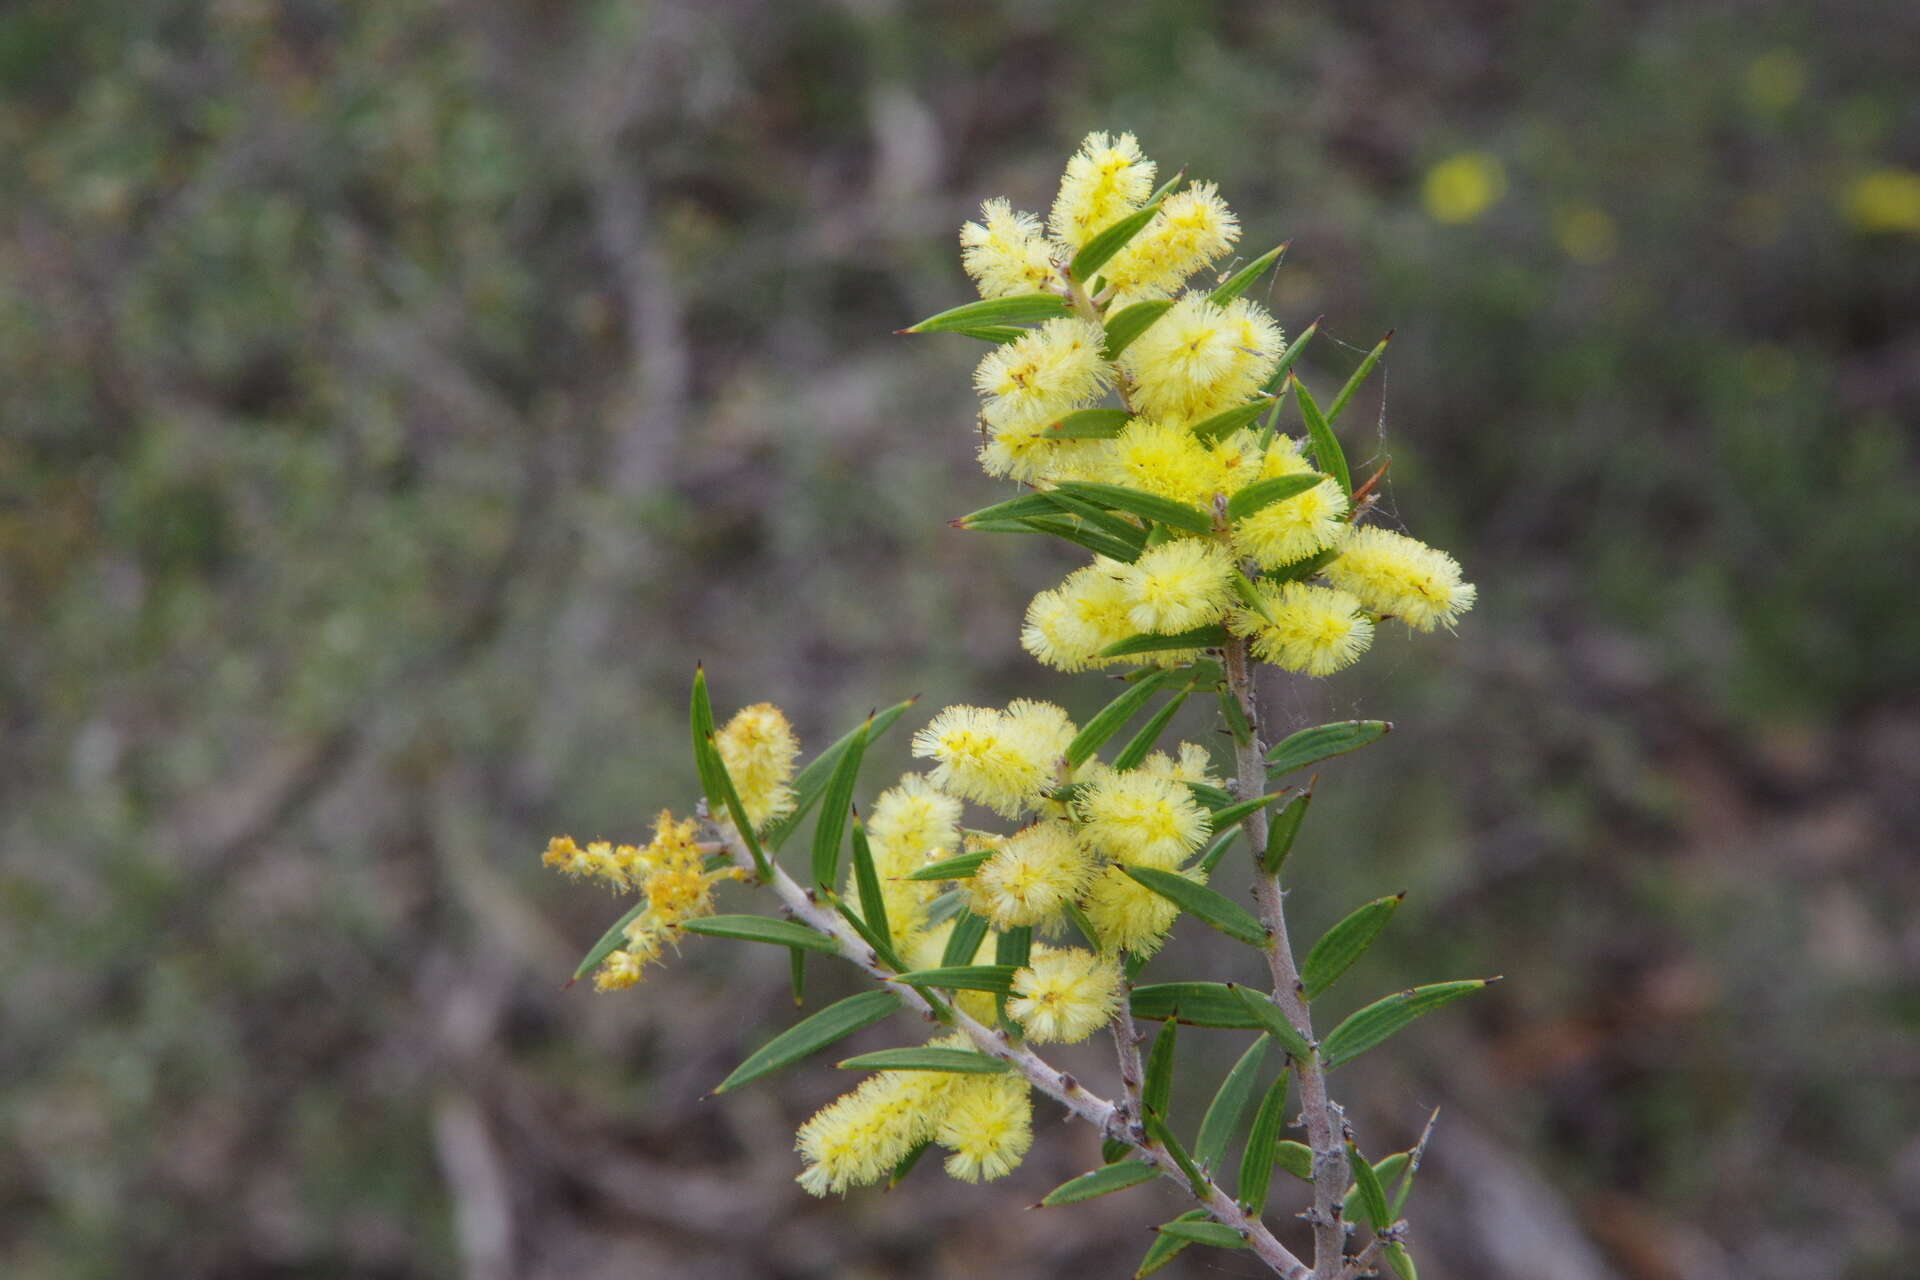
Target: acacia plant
1142,419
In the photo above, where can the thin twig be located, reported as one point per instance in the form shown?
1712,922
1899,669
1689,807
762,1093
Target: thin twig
1321,1114
1102,1114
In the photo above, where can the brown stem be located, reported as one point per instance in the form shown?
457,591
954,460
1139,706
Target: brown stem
1068,1092
1321,1113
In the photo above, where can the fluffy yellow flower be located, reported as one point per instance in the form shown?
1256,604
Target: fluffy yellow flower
1064,994
1031,877
1106,179
1195,764
1192,228
1163,458
1128,916
1137,817
758,747
1067,627
1177,586
1200,358
917,818
1035,378
1005,252
670,871
1028,455
860,1136
988,1126
1002,759
1391,573
1283,533
1316,630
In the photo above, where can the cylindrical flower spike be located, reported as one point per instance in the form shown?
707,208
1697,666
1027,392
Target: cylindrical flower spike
1314,630
1065,994
1391,573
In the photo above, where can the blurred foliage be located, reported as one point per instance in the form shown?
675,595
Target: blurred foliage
400,397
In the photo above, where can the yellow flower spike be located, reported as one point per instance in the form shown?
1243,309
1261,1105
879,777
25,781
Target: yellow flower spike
995,758
1139,818
1107,179
1164,459
1315,630
1195,764
620,970
1006,253
1192,228
1200,358
1029,382
1391,573
1031,878
988,1126
1178,586
759,747
1126,915
1064,994
859,1137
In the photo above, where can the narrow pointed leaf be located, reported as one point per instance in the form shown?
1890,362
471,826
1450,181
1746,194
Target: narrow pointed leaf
1217,1234
1176,515
1401,1261
1217,849
1326,449
1341,401
1027,504
1234,814
1223,424
882,947
811,782
1222,1120
1282,830
1157,1130
834,807
1256,1162
1141,745
905,1167
1368,1027
1112,718
1198,1004
1094,539
1112,239
797,974
1023,309
784,933
1157,1090
1345,943
730,797
959,867
1295,349
1211,637
1236,717
866,882
1088,424
1204,904
963,944
1101,518
1102,1181
1355,1204
1083,926
963,977
1213,798
1272,1020
1301,570
1113,1150
1242,280
1165,1247
1264,493
922,1058
998,334
1373,1200
1322,742
835,1022
610,941
1295,1158
1130,322
1014,946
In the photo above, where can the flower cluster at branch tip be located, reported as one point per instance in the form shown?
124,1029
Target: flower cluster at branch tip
1193,386
670,872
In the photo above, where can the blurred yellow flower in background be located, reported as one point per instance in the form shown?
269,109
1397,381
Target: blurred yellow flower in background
1462,187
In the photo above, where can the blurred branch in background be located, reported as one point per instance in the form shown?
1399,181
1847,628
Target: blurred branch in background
393,393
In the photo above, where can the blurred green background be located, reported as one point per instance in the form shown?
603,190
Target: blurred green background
396,399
